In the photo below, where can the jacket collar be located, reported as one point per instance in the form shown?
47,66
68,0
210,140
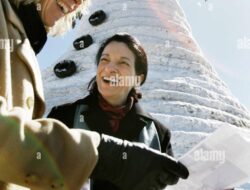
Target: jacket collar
90,100
18,2
141,112
131,124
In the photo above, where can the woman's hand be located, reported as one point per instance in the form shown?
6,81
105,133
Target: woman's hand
135,166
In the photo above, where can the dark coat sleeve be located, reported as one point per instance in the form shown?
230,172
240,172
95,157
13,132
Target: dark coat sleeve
64,113
164,136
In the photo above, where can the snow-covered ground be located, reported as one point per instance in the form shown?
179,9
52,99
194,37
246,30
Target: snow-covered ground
182,89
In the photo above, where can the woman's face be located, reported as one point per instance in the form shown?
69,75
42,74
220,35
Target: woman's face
116,74
53,10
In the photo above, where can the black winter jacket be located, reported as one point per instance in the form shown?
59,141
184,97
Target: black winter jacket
97,120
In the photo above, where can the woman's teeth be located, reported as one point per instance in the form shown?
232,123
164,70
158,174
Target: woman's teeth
110,79
63,7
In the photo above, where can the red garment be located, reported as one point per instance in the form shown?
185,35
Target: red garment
115,114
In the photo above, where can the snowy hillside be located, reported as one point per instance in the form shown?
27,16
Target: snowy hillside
182,88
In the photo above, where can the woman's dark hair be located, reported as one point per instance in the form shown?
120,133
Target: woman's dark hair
141,63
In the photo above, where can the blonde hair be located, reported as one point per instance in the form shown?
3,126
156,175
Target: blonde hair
65,23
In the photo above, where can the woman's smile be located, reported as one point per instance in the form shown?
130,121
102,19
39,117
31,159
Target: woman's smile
64,8
53,10
117,62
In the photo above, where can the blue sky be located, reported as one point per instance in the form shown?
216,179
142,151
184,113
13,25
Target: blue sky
222,29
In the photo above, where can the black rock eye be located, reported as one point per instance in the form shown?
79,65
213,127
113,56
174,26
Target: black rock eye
83,42
65,68
97,18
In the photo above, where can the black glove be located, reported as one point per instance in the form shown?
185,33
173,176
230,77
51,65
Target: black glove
135,166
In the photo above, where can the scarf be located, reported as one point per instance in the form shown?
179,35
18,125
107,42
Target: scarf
115,113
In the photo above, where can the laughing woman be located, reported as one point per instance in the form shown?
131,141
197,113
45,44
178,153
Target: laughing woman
112,107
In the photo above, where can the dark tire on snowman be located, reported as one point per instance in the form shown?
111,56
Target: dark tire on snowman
83,42
97,18
65,68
